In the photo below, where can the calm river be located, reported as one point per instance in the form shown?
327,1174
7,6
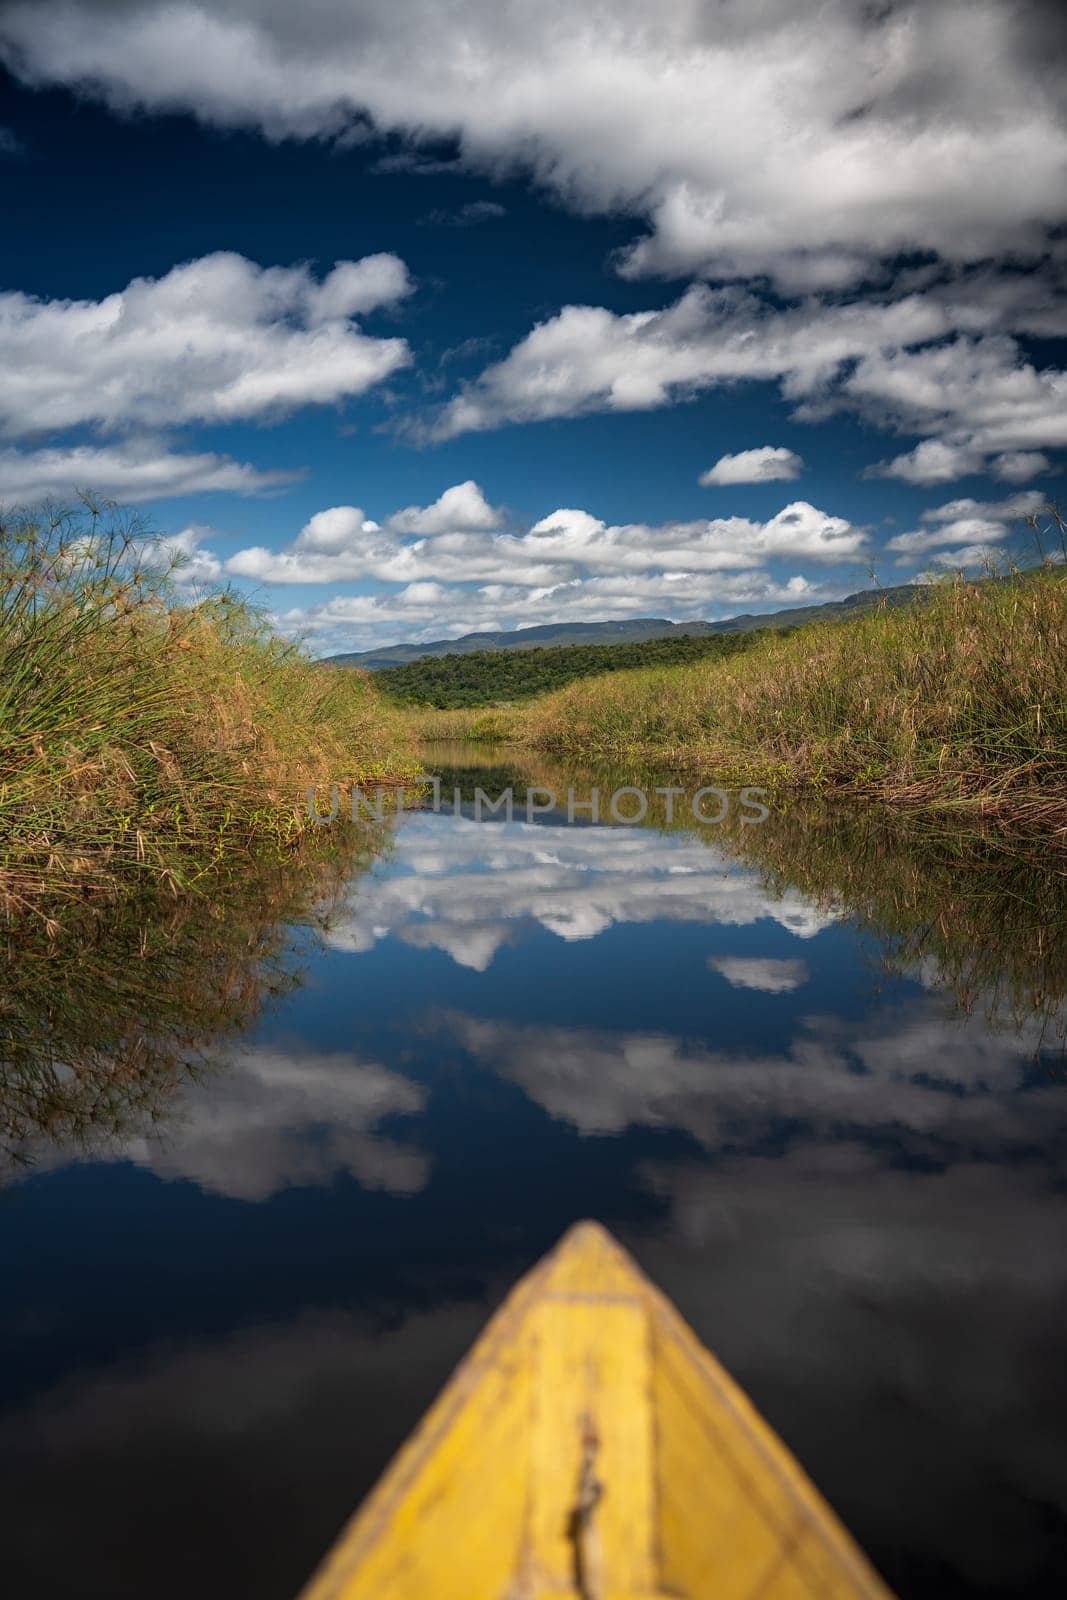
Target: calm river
262,1188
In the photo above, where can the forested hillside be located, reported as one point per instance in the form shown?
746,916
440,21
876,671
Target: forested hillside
631,630
487,677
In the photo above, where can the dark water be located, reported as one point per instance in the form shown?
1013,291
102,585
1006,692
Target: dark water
263,1187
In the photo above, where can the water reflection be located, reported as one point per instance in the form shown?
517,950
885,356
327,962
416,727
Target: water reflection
468,888
912,1085
104,1015
281,1119
810,1072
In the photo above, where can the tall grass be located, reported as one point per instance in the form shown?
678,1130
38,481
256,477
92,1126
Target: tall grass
143,736
482,724
959,700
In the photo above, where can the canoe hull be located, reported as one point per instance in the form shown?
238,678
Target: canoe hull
589,1445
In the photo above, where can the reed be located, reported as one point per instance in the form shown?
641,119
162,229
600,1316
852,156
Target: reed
958,701
480,724
143,736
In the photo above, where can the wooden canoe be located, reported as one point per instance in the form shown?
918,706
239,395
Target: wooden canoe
589,1446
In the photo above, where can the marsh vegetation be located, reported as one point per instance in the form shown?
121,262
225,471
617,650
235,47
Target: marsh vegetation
148,739
103,1018
956,704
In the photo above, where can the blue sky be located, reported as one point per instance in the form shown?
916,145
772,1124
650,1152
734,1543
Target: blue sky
410,322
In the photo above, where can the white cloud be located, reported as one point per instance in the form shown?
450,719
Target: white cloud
766,464
1025,504
938,360
588,359
813,155
334,530
454,539
798,530
352,288
969,531
452,570
975,525
427,610
967,559
1017,466
932,462
131,471
977,397
218,340
458,510
809,151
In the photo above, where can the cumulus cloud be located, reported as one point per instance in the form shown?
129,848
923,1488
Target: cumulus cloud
1025,504
975,532
977,397
766,464
460,509
799,529
130,471
814,157
810,151
941,360
452,568
968,558
215,340
1018,466
931,462
457,539
966,531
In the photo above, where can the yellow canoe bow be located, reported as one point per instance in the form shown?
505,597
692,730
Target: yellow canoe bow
589,1446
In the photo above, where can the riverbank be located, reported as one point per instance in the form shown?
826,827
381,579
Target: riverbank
150,740
958,703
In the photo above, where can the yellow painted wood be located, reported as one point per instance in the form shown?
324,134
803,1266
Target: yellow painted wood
590,1358
588,1390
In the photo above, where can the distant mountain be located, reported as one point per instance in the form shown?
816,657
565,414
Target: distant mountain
632,631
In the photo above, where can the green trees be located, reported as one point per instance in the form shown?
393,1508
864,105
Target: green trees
490,677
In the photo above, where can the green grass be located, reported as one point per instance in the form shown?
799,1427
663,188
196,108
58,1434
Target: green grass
960,700
482,725
489,677
143,737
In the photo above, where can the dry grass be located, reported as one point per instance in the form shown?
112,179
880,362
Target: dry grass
480,724
959,701
146,737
